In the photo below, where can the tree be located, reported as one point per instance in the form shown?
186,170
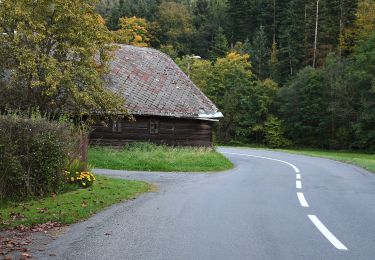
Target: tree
274,133
241,19
304,108
112,11
292,38
175,26
260,53
316,31
274,64
204,28
133,31
54,53
363,26
244,100
219,47
361,74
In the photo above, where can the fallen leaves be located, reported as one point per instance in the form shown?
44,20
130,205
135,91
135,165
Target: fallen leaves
14,244
45,226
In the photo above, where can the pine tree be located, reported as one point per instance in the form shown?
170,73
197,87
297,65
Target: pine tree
274,64
204,29
219,47
293,37
241,19
260,53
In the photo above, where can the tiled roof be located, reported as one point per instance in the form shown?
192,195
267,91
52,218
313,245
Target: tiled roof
154,85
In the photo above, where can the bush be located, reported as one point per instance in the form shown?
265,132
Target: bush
274,133
33,155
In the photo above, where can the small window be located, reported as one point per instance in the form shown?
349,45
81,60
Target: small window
154,126
116,126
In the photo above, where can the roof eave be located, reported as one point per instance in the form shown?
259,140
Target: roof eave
211,116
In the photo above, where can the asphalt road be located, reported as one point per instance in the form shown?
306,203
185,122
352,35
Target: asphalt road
250,212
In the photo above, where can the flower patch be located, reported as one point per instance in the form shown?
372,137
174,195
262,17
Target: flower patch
83,179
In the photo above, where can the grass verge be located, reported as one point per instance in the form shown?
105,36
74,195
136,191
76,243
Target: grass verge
71,206
364,160
361,159
149,157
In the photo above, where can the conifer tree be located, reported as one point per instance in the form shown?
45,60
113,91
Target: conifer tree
219,47
241,20
274,64
260,53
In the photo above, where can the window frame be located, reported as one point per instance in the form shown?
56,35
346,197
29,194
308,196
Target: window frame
117,126
154,126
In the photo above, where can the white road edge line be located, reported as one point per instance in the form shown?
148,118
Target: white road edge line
298,184
298,176
330,237
302,200
267,158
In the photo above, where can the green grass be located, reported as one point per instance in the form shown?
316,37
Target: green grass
71,206
361,159
148,157
364,160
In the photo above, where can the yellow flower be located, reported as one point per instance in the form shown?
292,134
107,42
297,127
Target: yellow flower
72,178
83,183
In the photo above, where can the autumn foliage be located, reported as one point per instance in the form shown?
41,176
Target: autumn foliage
133,31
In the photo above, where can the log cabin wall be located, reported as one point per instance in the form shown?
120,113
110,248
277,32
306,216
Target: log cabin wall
159,130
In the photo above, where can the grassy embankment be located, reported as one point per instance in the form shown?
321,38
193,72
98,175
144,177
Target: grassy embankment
361,159
149,157
71,206
364,160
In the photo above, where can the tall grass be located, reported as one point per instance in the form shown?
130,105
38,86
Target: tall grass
150,157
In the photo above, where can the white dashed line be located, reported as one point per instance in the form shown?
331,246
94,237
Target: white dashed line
267,158
331,238
318,224
302,200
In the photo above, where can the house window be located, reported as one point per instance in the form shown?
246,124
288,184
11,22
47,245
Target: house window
154,126
116,126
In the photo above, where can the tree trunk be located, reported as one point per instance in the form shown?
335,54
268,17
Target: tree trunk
316,32
341,28
274,21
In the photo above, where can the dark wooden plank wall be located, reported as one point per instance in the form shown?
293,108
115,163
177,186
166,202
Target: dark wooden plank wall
172,131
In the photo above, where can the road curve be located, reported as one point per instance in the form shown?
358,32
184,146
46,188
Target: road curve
272,205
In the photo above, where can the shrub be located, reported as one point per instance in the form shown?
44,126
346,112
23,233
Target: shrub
274,133
33,155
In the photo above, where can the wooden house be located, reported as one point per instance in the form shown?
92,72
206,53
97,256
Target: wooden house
168,108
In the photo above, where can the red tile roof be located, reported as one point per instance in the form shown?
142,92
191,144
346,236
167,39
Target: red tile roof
154,85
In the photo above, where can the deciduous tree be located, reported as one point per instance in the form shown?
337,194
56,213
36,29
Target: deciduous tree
133,31
54,53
